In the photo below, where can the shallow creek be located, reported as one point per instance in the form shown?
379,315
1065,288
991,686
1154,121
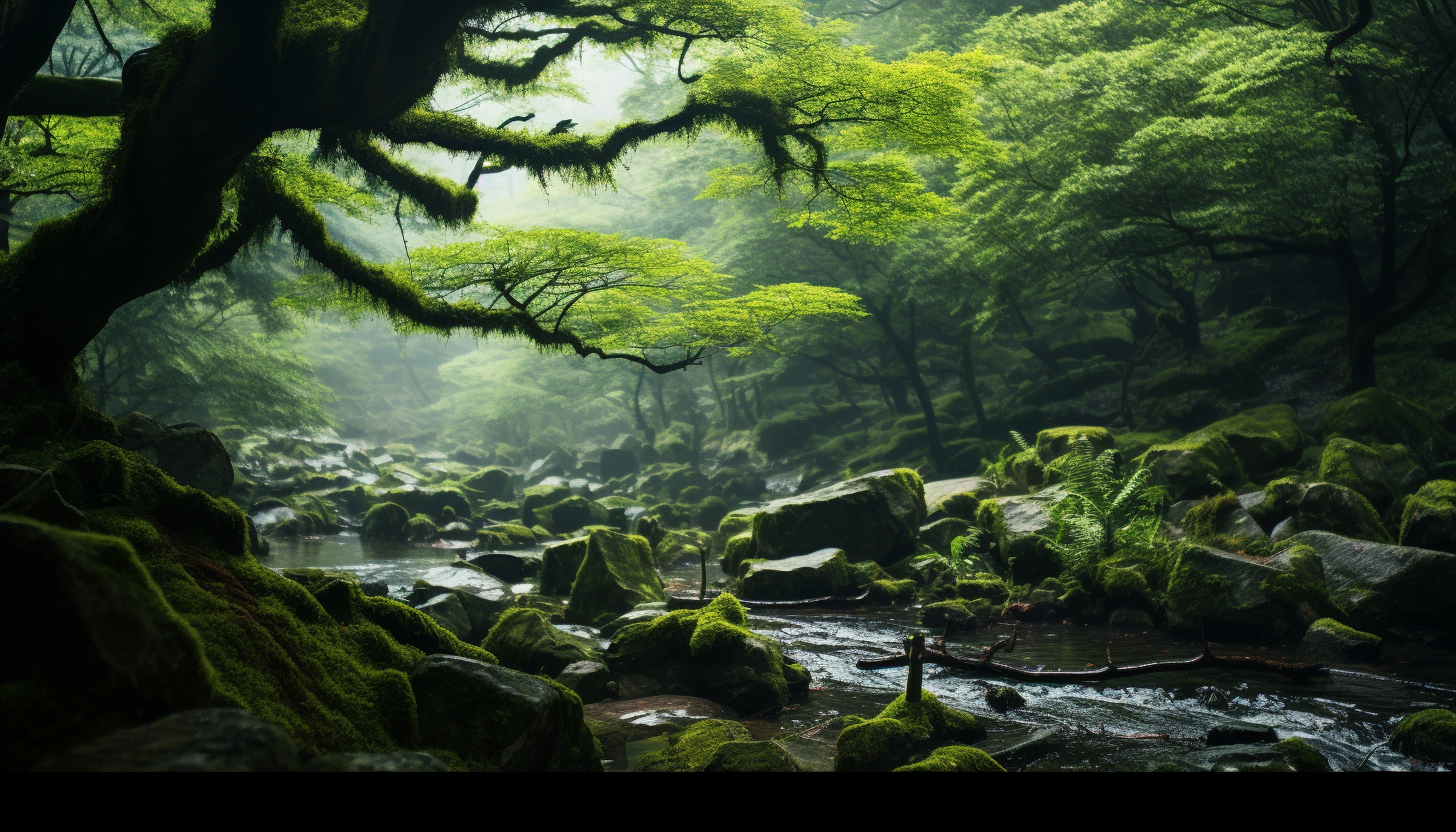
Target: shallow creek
1137,724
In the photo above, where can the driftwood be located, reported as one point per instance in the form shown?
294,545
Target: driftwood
679,602
1298,671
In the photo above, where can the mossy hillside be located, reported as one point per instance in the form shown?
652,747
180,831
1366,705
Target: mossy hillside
335,684
1429,735
616,574
524,639
694,747
955,758
903,732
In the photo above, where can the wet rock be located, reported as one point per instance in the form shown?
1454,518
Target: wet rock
591,680
634,617
457,530
482,598
208,739
490,484
761,756
526,640
1428,519
568,515
1232,593
1293,754
1380,586
402,761
617,462
955,616
92,645
512,567
1212,698
1236,732
1003,699
1188,466
1322,506
956,498
939,534
1263,439
1428,735
447,610
505,536
541,495
708,653
559,564
1022,749
619,722
1375,415
1331,640
873,517
616,574
821,573
499,718
186,452
418,499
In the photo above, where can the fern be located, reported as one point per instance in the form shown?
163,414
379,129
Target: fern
1098,503
961,563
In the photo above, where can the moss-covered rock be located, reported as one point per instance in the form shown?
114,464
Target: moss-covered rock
902,733
1022,528
427,500
1427,735
955,758
498,719
1376,416
939,534
736,522
421,529
693,748
682,546
1329,639
1428,519
1223,523
559,564
568,515
1230,593
736,550
1381,474
386,521
955,616
873,517
1200,464
535,496
111,652
490,484
1055,442
1295,507
1004,699
505,536
1263,439
761,756
708,653
821,573
955,498
616,574
526,640
892,593
1378,586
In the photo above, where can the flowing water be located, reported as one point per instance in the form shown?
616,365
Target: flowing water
1136,724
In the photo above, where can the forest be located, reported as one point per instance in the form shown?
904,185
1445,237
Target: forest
728,385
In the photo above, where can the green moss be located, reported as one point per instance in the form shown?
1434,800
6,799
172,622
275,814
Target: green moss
867,572
505,536
1125,587
1302,756
1193,464
953,616
806,576
955,758
738,549
616,574
567,515
1428,518
1263,439
1054,442
1202,522
524,639
763,756
389,521
421,528
890,593
559,565
1376,415
1344,632
1429,735
985,586
1303,585
694,747
902,730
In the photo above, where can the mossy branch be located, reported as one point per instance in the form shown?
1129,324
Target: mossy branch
442,199
403,300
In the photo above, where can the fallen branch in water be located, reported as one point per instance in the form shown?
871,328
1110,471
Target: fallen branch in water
1298,671
678,602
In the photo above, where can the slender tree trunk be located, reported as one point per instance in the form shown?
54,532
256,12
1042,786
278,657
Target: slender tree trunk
717,393
647,431
906,348
968,381
1033,344
661,398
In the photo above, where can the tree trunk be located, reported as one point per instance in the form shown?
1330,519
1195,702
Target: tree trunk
906,349
968,380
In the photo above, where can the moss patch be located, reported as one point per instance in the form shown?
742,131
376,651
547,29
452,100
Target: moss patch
904,730
955,758
693,748
1429,735
524,639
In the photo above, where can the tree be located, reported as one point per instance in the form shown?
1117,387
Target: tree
216,118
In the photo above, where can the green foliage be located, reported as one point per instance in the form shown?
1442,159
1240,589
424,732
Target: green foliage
1099,504
959,560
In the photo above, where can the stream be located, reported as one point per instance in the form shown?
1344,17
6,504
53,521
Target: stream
1150,722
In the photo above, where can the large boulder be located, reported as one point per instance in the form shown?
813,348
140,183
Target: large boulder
616,574
591,681
1263,439
617,462
1380,586
1381,474
188,453
956,498
526,640
512,567
904,733
1428,519
446,593
692,748
500,719
429,500
1022,529
541,495
386,521
708,653
873,517
568,515
821,573
1054,442
490,484
1378,416
1238,594
205,739
1291,507
559,564
1194,466
1329,639
92,644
